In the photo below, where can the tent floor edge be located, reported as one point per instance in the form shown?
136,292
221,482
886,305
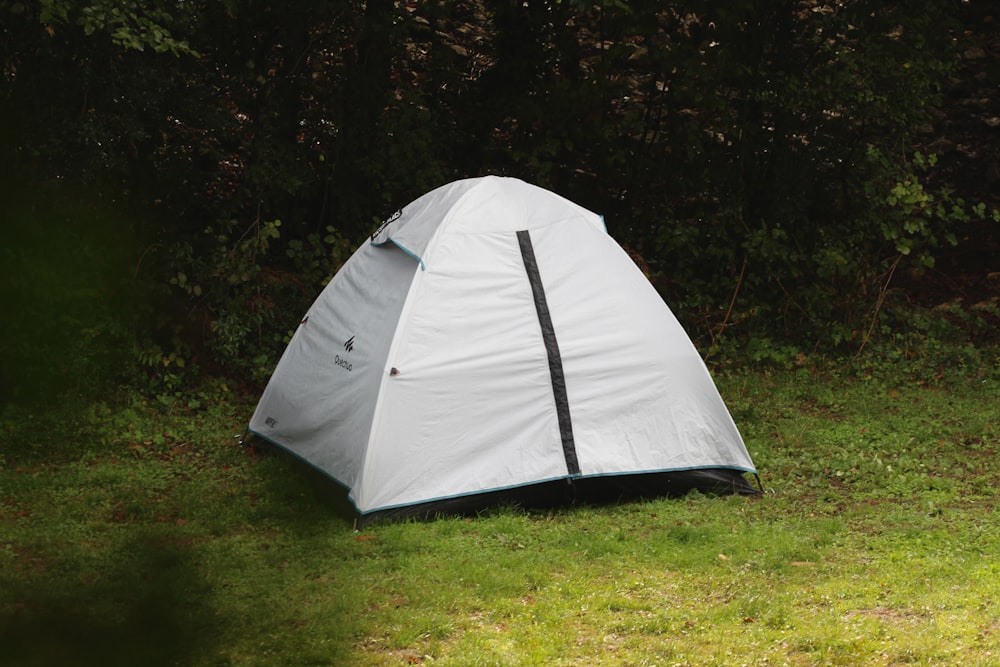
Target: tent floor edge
588,491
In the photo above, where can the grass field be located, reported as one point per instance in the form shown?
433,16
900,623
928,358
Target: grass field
133,537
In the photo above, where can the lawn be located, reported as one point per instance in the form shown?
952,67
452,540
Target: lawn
137,535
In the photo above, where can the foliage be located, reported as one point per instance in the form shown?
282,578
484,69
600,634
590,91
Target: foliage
767,160
67,298
130,25
152,537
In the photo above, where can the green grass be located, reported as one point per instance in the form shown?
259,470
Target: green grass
131,537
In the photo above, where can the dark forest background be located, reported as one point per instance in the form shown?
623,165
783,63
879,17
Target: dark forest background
795,176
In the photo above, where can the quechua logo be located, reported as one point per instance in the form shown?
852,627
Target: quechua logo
343,362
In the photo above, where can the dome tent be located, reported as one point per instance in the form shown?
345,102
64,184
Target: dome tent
491,342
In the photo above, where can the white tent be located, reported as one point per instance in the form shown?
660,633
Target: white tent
492,337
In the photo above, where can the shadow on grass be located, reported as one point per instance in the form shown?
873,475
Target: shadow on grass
150,607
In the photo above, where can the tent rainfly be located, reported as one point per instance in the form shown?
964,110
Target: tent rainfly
492,343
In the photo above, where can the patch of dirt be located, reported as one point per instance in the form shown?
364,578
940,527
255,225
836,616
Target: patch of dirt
909,616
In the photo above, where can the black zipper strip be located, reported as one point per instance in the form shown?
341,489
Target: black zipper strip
552,349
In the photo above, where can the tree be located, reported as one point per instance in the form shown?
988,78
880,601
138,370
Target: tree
764,158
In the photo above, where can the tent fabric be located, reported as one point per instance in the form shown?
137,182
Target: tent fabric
492,336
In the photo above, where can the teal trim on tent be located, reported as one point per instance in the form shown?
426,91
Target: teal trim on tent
404,249
464,502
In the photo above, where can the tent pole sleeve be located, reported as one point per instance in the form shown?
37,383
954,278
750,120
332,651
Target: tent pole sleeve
552,350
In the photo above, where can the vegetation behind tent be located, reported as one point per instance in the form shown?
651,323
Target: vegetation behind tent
792,176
